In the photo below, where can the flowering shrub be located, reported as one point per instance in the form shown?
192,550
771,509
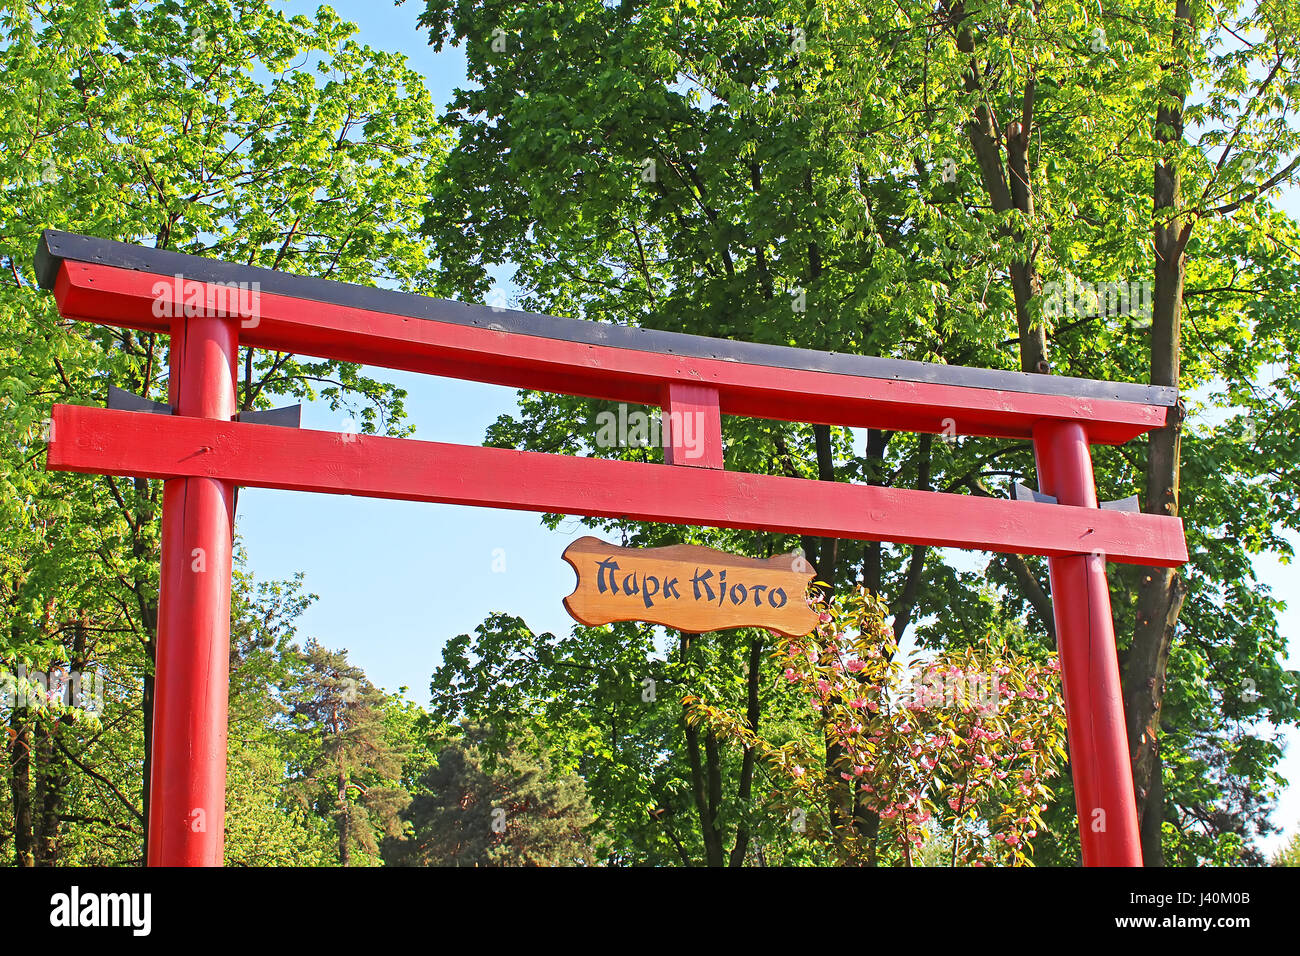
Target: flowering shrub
951,753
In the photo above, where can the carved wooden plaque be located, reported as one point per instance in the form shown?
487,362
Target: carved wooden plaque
689,587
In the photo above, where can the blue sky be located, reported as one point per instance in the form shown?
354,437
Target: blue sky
397,579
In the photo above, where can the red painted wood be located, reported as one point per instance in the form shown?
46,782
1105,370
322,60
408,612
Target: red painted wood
695,435
123,297
1085,639
187,786
158,446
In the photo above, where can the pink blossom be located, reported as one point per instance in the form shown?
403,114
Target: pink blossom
797,770
790,674
856,665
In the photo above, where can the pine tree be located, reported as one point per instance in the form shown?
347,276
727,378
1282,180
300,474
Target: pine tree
351,763
1289,855
476,809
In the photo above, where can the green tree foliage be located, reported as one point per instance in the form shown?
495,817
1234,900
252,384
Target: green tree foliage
955,749
218,127
351,765
606,704
1289,855
495,807
265,825
262,828
956,183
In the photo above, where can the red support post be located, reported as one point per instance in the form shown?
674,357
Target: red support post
692,426
187,788
1085,639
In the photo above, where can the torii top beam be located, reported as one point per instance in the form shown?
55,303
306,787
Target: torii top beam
114,282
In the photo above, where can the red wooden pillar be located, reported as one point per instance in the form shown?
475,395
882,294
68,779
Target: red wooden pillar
692,422
187,789
1085,639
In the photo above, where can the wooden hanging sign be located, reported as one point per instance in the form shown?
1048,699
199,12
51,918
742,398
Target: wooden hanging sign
689,587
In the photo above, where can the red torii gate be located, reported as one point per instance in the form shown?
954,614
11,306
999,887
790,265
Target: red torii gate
202,451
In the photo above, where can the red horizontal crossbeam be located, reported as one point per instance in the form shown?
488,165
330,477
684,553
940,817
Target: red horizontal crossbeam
125,297
103,441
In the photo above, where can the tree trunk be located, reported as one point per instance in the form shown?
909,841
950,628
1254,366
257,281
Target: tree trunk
1160,592
345,857
700,780
752,714
20,762
146,703
1007,184
51,782
53,774
713,850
